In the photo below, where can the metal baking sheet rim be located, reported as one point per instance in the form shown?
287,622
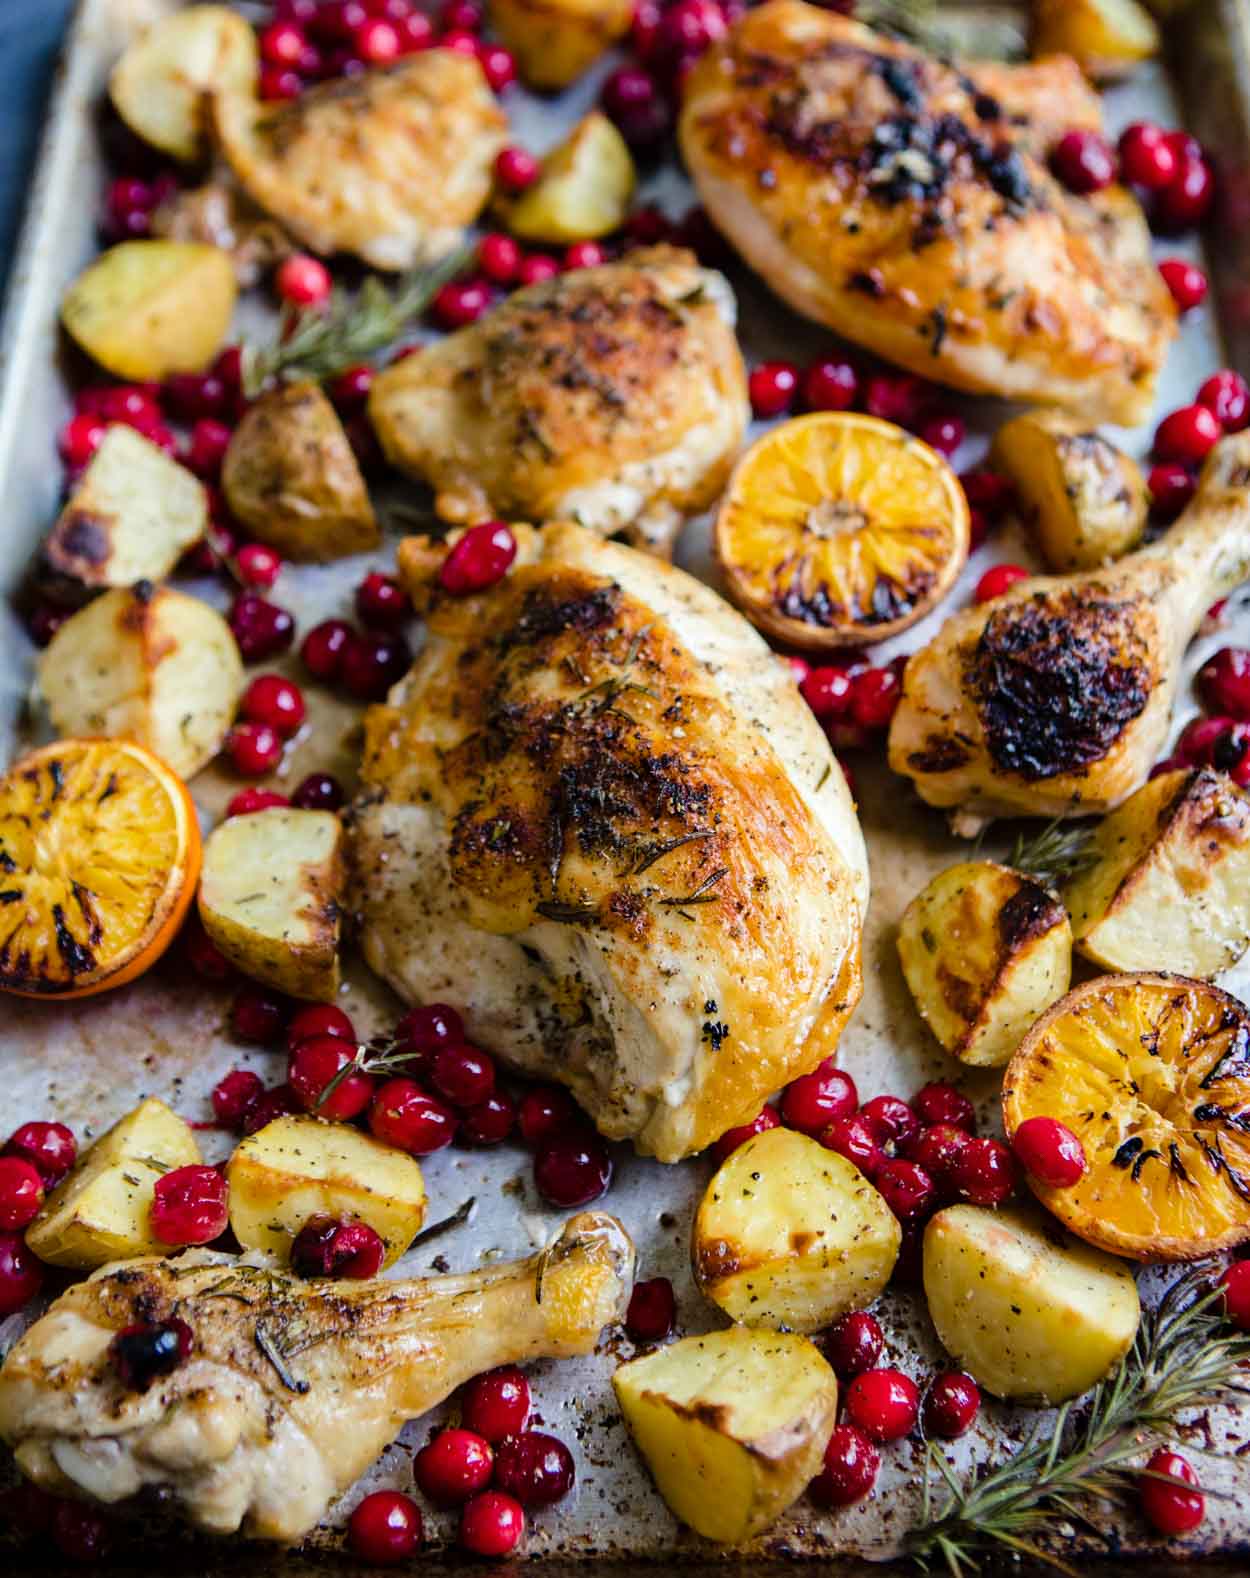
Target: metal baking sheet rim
1211,48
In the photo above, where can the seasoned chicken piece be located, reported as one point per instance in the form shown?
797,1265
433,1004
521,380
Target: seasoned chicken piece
1055,698
599,809
389,165
613,396
291,1388
906,203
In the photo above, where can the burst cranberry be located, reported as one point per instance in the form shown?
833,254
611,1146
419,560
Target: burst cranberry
385,1528
462,1075
81,436
490,1122
430,1027
314,1064
453,1466
984,1172
906,1188
79,1532
318,792
942,1103
203,954
773,387
1188,435
951,1405
498,66
515,169
935,1149
997,580
875,694
812,1102
850,1468
1147,159
852,1138
853,1344
944,433
323,647
1186,200
234,1096
499,258
148,1351
1171,488
252,799
260,628
21,1192
766,1118
279,83
827,691
1170,1508
534,1467
482,556
302,281
1083,161
382,602
1227,396
189,1206
1050,1152
496,1404
332,1247
404,1115
1236,1285
890,1119
277,1102
460,302
883,1403
372,662
536,268
831,384
572,1168
255,748
316,1021
545,1110
258,1015
1186,281
21,1275
49,1147
652,1311
491,1524
897,398
272,700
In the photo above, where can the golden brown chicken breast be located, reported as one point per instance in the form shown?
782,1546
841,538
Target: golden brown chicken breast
906,203
612,396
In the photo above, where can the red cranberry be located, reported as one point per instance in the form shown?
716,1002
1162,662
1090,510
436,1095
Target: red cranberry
1186,200
1147,159
272,700
258,1015
465,16
875,694
234,1096
429,1028
800,668
382,602
21,1192
852,1138
416,32
81,436
1050,1152
1171,488
897,398
479,558
50,1147
372,662
258,566
323,647
207,448
1186,281
317,1021
498,66
936,1148
830,385
203,954
984,1172
629,98
21,1275
303,281
44,622
850,1468
988,491
491,1524
490,1122
282,43
460,302
652,1311
327,1246
944,433
572,1168
314,1064
812,1102
534,1467
279,83
1187,435
148,1351
766,1118
255,748
189,1206
385,1528
1198,739
853,1344
890,1119
318,792
951,1404
350,389
1226,395
190,396
376,42
1236,1285
79,1532
496,1404
827,691
462,1075
404,1115
583,254
515,169
261,628
1083,161
1171,1508
270,1105
536,268
906,1188
252,799
999,578
545,1110
499,258
773,387
942,1103
453,1466
885,1404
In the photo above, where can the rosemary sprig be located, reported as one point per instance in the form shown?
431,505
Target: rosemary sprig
1056,854
269,1346
318,342
379,1056
1185,1356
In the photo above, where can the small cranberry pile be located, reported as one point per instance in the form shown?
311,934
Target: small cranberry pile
1186,436
1167,169
34,1159
1221,737
836,383
642,97
852,698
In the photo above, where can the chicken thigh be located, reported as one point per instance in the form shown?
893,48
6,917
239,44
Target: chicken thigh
598,815
614,396
906,202
1055,698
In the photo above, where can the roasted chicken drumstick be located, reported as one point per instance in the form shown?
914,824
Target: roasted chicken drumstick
291,1388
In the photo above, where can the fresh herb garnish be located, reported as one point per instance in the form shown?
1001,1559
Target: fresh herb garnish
1056,854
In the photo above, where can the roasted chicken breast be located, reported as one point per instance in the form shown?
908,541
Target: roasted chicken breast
906,202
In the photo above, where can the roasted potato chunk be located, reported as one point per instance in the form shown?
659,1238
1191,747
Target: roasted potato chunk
1083,500
1106,38
1029,1312
291,477
1169,880
146,309
270,889
132,515
100,1211
789,1234
732,1425
554,41
299,1167
584,189
160,84
984,951
147,664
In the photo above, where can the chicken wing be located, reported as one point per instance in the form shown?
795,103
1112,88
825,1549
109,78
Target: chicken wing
612,396
906,202
599,809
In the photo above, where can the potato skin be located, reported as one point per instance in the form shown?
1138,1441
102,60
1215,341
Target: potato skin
554,41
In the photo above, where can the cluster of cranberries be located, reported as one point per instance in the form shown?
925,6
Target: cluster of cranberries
1220,737
642,97
853,699
1167,169
35,1157
1186,436
836,383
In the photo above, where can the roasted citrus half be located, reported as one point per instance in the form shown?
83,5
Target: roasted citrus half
1152,1073
838,529
99,855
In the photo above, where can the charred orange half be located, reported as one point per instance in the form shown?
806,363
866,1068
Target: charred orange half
99,856
1152,1072
838,529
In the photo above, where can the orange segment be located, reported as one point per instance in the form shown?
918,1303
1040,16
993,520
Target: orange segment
99,856
1152,1072
838,529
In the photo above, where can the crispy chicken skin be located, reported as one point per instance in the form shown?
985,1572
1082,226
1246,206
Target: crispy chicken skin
291,1388
612,396
599,808
389,165
906,203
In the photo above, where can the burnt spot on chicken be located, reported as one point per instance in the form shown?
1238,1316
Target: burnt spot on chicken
1057,678
941,754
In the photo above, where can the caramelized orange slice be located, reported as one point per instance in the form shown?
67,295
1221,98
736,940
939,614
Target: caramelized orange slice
838,529
99,856
1152,1072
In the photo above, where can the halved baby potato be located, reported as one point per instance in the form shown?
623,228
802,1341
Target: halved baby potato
583,191
554,41
101,1211
1106,38
158,86
131,517
984,951
1170,878
270,891
1030,1313
791,1235
146,309
147,664
296,1168
732,1425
